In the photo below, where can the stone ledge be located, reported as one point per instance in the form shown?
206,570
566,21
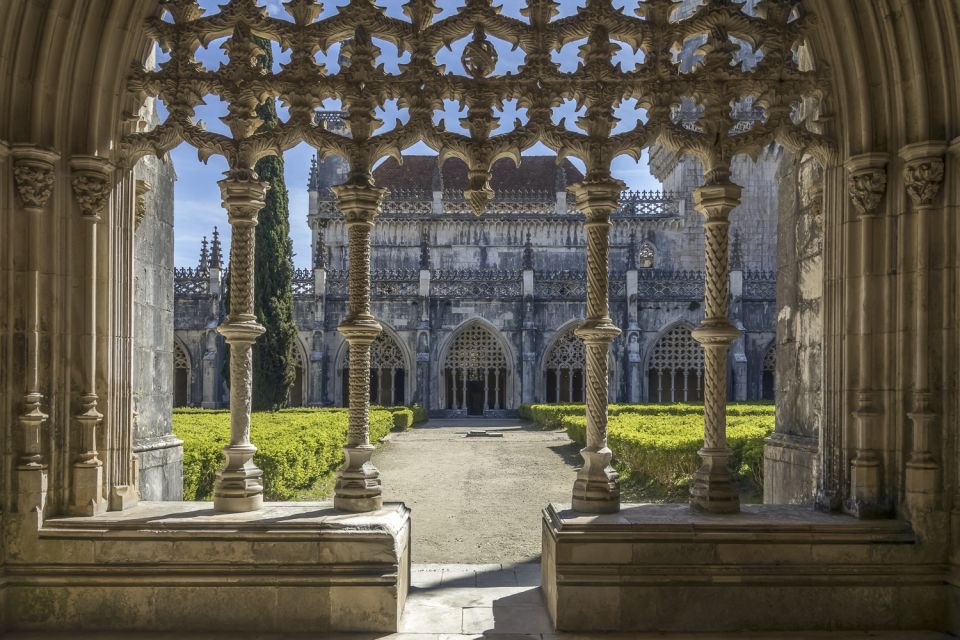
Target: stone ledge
661,567
179,566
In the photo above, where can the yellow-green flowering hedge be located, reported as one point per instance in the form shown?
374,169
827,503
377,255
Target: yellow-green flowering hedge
295,447
660,441
419,413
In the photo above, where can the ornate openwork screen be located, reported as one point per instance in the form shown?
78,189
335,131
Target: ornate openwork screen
676,367
564,369
181,376
475,372
699,66
180,360
388,371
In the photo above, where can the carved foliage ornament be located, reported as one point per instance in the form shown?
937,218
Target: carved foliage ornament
34,182
92,192
923,179
773,85
867,188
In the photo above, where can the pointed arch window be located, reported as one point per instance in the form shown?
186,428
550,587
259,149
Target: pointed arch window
181,376
475,372
769,373
564,369
388,372
675,373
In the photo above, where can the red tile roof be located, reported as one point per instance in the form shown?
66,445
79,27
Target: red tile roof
537,173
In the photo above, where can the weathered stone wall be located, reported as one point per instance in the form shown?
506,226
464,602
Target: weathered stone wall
159,451
790,453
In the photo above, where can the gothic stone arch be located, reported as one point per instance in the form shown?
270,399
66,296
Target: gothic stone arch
477,371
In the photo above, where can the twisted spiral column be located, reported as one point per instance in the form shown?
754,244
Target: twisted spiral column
713,487
238,485
597,487
358,487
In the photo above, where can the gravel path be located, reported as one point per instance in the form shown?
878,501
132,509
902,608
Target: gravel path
477,500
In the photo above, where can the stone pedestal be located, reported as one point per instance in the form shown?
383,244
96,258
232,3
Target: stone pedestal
182,567
665,568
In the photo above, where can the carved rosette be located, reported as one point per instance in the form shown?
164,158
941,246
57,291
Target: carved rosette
923,179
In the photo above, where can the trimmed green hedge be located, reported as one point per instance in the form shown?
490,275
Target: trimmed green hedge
660,441
402,417
295,447
419,413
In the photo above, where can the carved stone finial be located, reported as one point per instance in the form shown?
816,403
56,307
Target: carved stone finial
143,188
33,174
736,252
204,262
528,254
216,253
91,184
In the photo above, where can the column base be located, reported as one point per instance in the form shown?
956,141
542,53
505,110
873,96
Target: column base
714,489
31,488
238,487
358,488
597,487
922,484
87,493
864,501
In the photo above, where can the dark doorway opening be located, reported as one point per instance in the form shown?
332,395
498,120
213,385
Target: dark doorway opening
475,400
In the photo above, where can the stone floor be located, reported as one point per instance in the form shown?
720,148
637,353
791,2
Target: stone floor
477,602
478,499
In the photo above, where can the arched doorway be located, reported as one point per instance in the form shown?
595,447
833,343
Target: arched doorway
388,372
564,369
181,376
675,371
475,373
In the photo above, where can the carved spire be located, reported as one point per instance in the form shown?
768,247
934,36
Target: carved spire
204,262
632,252
216,255
560,179
424,249
736,253
528,254
436,182
320,249
313,184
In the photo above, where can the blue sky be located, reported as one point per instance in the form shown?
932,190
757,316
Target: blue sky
197,197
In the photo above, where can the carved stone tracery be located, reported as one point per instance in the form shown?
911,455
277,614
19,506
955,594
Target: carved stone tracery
762,80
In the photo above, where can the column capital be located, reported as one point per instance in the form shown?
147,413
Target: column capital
597,199
142,188
715,332
867,183
243,196
597,331
359,203
238,331
33,174
716,201
923,170
91,184
360,331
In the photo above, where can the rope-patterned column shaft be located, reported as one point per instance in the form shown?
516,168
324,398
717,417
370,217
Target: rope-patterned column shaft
713,486
923,177
358,487
238,485
91,189
597,488
33,174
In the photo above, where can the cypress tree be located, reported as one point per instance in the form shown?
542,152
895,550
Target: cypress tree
273,361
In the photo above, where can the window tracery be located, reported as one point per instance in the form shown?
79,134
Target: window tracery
475,372
768,374
564,369
676,367
180,358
